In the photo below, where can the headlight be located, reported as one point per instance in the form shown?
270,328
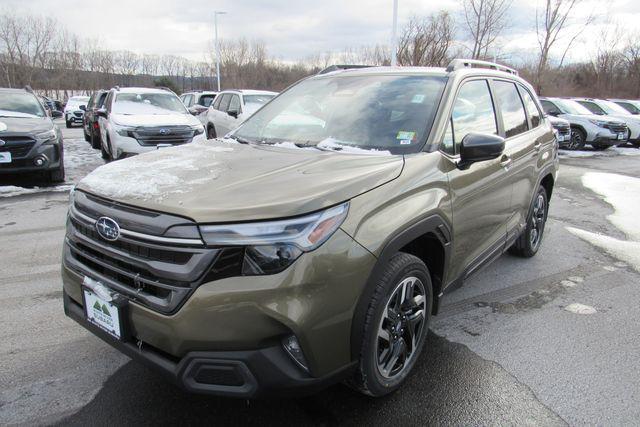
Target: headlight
600,123
124,130
198,130
271,246
46,136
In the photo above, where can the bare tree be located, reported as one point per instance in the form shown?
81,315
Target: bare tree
426,41
551,22
631,55
485,20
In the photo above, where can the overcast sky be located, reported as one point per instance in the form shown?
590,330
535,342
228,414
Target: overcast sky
291,29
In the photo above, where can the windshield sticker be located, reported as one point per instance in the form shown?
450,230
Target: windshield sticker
417,98
405,141
405,136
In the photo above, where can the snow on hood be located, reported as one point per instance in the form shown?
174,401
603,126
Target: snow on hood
173,170
155,119
334,144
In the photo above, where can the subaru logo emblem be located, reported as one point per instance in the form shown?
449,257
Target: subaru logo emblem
165,131
2,143
108,229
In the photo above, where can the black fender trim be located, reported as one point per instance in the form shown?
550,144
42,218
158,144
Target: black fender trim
434,224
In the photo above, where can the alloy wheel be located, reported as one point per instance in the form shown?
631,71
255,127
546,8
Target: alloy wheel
537,221
576,140
401,327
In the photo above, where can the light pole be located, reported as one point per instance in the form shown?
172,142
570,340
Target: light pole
394,34
215,24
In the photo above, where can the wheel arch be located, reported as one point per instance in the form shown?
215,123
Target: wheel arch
430,240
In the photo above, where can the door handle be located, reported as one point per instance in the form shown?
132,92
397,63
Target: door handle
505,161
537,146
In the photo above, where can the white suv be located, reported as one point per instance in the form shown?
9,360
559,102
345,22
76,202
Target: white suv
232,107
136,120
73,113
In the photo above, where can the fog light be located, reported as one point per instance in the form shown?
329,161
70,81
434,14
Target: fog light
40,160
292,346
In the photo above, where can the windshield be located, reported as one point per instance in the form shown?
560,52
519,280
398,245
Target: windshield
629,106
148,103
20,105
613,108
77,101
572,107
385,113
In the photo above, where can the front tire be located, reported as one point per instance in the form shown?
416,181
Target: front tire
395,326
68,123
105,154
95,140
578,139
211,132
529,241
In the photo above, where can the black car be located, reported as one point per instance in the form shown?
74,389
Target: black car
52,106
29,141
90,123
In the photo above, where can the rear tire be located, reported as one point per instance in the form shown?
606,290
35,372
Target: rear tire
395,326
95,141
530,240
87,137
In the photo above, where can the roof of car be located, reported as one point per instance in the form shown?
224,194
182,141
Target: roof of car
201,92
13,90
142,90
250,91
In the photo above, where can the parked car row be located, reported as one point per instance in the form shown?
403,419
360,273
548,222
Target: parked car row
596,122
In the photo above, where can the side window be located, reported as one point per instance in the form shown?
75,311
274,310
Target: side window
206,100
109,101
234,105
91,101
513,115
550,108
101,100
530,105
224,104
472,112
447,141
216,102
593,107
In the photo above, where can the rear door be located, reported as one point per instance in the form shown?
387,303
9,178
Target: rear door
234,107
221,119
480,194
523,140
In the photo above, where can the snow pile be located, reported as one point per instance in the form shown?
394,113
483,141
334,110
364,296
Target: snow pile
610,152
578,308
156,175
623,194
335,145
12,190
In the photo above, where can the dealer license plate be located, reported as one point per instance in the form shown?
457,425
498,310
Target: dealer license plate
621,136
5,157
102,313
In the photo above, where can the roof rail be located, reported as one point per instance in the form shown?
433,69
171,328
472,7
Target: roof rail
458,64
28,89
339,67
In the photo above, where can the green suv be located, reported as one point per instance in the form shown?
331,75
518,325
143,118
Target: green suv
313,244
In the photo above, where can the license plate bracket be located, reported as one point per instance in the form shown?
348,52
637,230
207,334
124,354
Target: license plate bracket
108,315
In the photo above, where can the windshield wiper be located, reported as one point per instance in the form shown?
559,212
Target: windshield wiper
240,140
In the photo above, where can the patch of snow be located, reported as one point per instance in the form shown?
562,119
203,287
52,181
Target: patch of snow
576,279
623,194
568,283
12,190
335,145
610,152
158,174
578,308
627,251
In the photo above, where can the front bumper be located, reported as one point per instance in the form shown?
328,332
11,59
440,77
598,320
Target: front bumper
244,374
25,164
126,146
73,118
244,319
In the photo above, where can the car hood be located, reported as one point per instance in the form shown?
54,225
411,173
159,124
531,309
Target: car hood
32,125
218,181
154,119
555,121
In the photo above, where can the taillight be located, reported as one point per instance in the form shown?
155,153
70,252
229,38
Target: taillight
96,125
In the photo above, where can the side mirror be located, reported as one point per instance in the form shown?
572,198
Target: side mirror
197,109
554,113
83,107
233,113
478,147
101,112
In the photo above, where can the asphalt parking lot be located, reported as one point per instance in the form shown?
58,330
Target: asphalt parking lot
550,340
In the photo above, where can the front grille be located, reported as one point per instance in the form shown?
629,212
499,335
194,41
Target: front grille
173,135
78,114
158,274
616,127
133,249
18,146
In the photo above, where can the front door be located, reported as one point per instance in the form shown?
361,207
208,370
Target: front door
481,194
